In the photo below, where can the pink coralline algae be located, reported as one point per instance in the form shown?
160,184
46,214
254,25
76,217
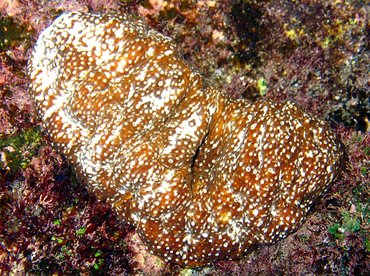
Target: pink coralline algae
202,177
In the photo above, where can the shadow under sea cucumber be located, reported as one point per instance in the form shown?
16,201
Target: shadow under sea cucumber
202,177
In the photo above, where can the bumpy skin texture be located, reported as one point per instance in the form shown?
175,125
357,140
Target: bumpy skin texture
201,177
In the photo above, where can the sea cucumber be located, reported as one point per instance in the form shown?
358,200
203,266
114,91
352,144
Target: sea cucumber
201,176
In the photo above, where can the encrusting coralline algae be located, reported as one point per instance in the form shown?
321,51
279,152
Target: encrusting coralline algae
202,177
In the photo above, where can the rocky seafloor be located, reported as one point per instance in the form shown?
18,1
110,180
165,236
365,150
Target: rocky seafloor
313,52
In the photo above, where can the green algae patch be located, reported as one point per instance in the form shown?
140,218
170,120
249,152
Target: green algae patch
17,151
11,33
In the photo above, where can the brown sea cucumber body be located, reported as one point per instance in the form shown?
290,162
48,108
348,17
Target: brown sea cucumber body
202,177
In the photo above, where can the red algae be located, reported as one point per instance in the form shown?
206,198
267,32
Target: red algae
337,91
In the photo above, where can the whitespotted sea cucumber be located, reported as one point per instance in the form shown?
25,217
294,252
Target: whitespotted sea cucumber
202,177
